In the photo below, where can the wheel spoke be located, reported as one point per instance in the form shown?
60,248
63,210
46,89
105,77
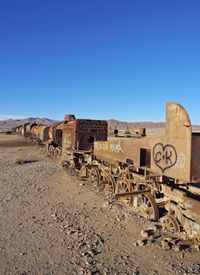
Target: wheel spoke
94,176
109,182
170,223
147,204
84,171
123,186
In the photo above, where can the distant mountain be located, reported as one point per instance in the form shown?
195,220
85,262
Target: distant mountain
123,125
10,123
112,123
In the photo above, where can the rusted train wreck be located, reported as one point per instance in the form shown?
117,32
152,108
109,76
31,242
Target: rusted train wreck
159,175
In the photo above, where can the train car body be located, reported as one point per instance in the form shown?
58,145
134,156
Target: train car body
13,129
34,130
55,134
79,136
24,129
171,164
41,132
29,127
174,155
158,174
54,143
19,129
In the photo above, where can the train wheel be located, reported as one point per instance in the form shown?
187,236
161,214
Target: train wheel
128,173
116,171
147,205
55,153
109,182
170,223
51,149
59,154
72,166
84,172
123,186
94,175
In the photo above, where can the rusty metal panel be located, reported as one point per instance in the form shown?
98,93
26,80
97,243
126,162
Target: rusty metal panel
178,133
80,134
34,130
30,126
68,137
169,155
60,125
127,149
193,206
50,133
23,130
20,129
69,117
88,131
24,127
43,133
55,133
195,159
142,131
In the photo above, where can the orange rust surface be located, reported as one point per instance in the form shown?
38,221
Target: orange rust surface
170,155
80,134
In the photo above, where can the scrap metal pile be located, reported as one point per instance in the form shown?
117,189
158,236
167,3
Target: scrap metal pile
160,176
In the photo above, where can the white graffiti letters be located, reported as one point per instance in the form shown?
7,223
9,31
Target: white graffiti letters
116,147
108,147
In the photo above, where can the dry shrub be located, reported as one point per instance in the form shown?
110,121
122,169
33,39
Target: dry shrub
19,161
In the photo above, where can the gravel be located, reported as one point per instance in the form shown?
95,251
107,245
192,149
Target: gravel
50,224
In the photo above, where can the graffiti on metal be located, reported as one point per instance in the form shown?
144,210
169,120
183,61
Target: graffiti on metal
181,161
164,156
197,161
188,204
108,147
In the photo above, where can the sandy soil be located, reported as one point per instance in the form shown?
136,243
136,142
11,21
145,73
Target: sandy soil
52,222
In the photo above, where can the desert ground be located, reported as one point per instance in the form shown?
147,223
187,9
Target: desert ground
53,222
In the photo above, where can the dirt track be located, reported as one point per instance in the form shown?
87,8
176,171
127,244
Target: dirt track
54,223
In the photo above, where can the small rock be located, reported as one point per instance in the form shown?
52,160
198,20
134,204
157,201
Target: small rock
151,238
176,248
156,227
105,204
165,245
136,272
140,242
144,234
196,247
23,253
71,232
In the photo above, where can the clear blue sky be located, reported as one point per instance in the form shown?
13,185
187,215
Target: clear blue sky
99,59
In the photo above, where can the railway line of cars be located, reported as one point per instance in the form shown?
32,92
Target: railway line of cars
159,175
